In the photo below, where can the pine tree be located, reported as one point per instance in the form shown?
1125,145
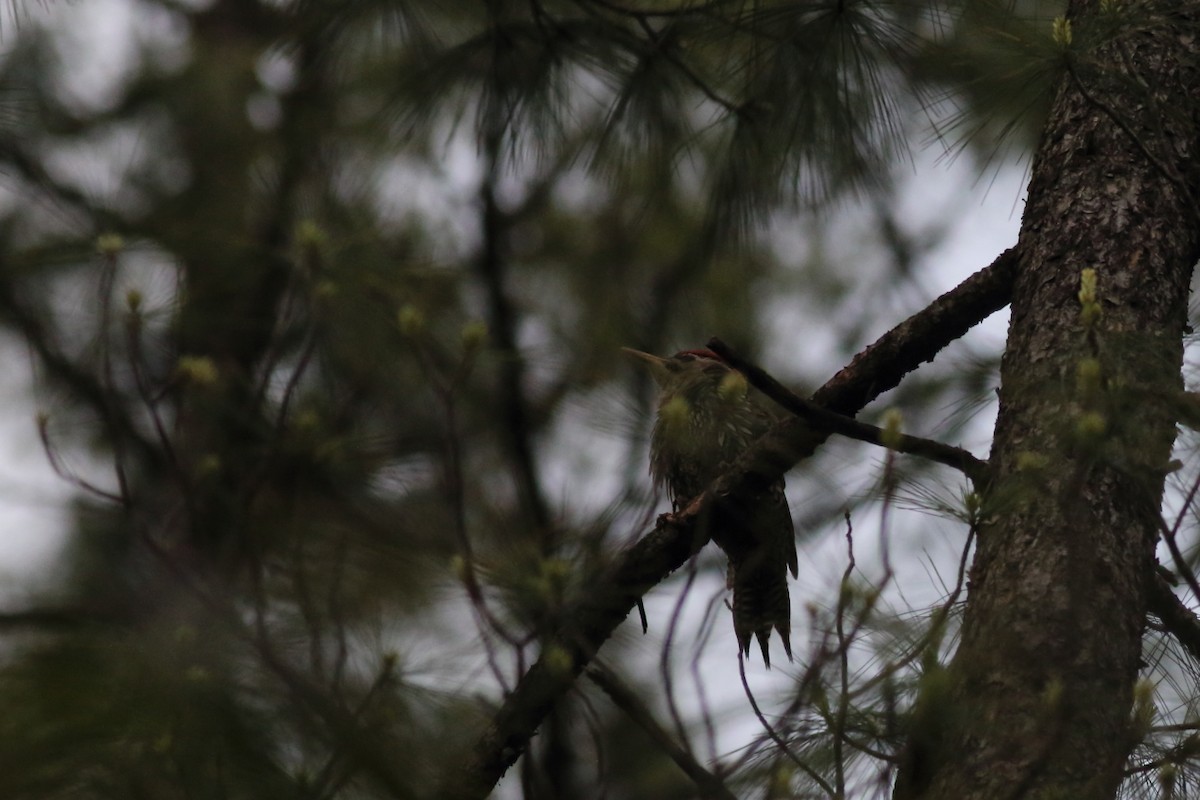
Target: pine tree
324,304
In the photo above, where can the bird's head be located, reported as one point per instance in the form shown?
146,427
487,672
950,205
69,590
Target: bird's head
690,371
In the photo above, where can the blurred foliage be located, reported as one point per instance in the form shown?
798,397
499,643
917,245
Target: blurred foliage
326,298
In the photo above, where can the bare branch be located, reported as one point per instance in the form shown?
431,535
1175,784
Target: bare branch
708,784
832,422
920,337
1179,620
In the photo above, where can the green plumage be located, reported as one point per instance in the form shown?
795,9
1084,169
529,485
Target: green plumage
707,417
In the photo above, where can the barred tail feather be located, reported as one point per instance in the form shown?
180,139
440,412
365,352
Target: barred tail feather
761,603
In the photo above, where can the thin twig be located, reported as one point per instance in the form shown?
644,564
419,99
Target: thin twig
775,737
60,469
664,659
133,337
710,785
453,486
1169,536
108,277
831,422
707,626
937,622
843,661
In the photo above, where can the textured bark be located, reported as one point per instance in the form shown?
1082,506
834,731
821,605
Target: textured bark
1036,703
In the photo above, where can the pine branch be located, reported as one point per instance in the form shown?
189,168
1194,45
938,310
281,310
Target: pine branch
1178,620
676,537
832,422
919,338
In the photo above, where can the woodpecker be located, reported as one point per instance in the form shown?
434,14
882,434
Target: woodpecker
708,415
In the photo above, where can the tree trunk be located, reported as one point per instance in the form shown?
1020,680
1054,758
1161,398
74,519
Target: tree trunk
1037,701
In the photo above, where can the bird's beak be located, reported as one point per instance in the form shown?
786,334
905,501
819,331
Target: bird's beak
656,364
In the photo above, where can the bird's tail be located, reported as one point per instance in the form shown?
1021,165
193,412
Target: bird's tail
761,602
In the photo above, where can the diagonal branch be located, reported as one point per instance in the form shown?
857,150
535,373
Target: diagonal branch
677,537
833,422
920,337
1178,620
